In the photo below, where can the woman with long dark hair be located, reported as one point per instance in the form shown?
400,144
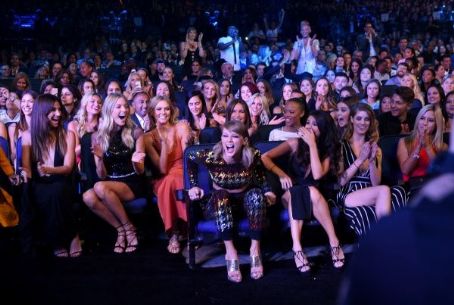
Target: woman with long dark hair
48,160
312,156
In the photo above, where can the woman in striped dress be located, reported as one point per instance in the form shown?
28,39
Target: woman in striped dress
365,200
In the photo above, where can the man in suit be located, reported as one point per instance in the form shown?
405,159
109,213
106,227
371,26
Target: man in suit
368,42
140,103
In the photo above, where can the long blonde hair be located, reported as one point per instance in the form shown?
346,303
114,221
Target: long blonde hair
437,141
247,155
265,114
107,124
82,115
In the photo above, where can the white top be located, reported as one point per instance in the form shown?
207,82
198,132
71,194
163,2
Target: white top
281,135
230,53
306,59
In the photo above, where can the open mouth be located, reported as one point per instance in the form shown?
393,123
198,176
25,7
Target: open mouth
122,116
230,148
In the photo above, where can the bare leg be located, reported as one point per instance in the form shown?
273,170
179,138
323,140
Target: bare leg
379,195
296,227
322,214
256,260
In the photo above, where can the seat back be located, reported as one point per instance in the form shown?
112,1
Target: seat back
391,174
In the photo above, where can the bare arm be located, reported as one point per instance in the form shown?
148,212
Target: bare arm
407,160
12,140
68,162
282,149
72,126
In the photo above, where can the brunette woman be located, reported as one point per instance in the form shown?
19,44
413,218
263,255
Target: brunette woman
48,160
312,156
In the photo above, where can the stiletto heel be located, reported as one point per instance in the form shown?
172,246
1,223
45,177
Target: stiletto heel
338,262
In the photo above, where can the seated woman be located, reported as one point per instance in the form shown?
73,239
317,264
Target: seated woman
165,145
416,151
361,171
294,112
198,117
372,94
260,111
15,130
238,180
343,114
48,160
314,154
87,118
116,162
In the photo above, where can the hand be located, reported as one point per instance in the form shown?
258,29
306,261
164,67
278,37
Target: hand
97,151
138,157
15,179
196,193
373,152
270,198
43,170
286,182
365,152
200,38
146,123
307,135
24,175
276,120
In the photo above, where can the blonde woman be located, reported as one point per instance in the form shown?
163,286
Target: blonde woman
416,151
117,163
165,145
87,118
410,81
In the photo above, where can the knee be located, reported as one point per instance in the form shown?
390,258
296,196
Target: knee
90,198
254,198
384,190
100,189
315,195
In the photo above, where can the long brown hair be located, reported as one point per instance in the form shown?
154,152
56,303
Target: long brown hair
372,132
41,131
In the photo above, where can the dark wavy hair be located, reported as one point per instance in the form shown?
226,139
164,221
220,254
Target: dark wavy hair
41,131
328,144
189,115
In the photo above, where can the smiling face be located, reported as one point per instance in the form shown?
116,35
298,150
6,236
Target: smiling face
256,107
209,90
195,105
55,115
293,114
94,105
162,112
450,105
238,113
361,122
433,96
120,112
26,104
343,114
232,145
21,84
162,90
306,87
399,107
167,74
